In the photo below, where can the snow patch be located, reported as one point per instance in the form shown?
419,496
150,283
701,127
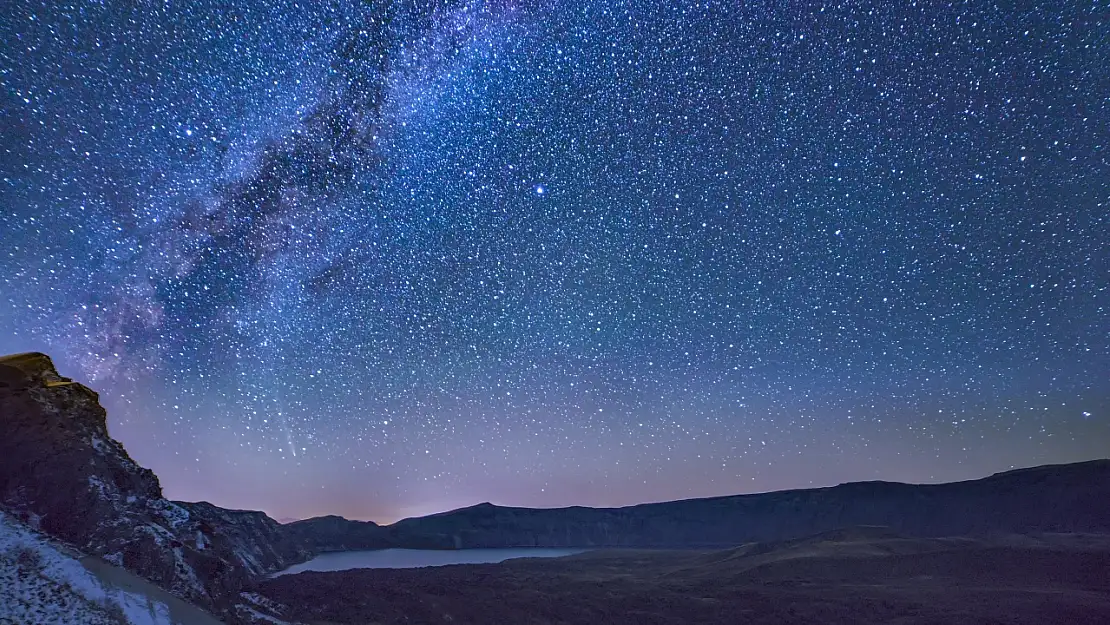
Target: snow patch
141,611
262,602
99,445
173,513
157,532
258,616
44,583
96,484
250,562
186,573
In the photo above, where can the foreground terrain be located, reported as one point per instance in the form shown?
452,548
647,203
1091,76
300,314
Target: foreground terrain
42,582
860,576
70,491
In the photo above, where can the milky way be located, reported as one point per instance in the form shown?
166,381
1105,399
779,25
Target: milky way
385,259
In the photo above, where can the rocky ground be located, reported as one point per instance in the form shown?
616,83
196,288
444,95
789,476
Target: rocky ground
850,578
44,582
64,478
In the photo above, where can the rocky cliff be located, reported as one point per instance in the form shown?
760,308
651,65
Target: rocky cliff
42,581
62,473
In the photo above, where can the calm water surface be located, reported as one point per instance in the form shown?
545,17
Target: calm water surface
414,558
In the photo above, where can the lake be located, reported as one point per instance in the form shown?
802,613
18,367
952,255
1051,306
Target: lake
416,558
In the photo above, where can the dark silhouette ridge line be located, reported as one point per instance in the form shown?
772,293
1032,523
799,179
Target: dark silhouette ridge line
62,473
785,491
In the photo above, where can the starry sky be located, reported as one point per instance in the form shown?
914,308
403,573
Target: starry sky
382,259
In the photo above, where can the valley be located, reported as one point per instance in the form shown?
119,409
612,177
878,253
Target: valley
1023,546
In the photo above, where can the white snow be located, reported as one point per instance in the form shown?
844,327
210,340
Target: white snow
41,582
99,444
250,562
259,601
186,574
141,611
99,486
173,513
256,600
258,616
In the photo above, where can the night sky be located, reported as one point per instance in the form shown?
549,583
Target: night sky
382,260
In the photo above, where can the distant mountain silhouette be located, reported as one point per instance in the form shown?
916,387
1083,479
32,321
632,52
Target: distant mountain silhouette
1054,498
62,474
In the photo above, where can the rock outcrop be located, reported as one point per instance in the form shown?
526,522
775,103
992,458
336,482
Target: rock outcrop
62,473
42,581
335,533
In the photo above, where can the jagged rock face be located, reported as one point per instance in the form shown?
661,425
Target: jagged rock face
63,473
42,581
260,544
57,462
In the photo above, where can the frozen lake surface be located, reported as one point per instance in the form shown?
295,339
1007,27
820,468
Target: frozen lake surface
415,558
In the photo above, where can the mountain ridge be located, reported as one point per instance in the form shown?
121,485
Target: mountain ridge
1072,498
63,474
421,532
486,504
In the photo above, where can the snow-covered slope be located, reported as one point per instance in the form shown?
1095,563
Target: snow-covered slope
64,475
43,582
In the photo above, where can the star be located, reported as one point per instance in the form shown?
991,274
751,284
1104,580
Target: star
569,255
